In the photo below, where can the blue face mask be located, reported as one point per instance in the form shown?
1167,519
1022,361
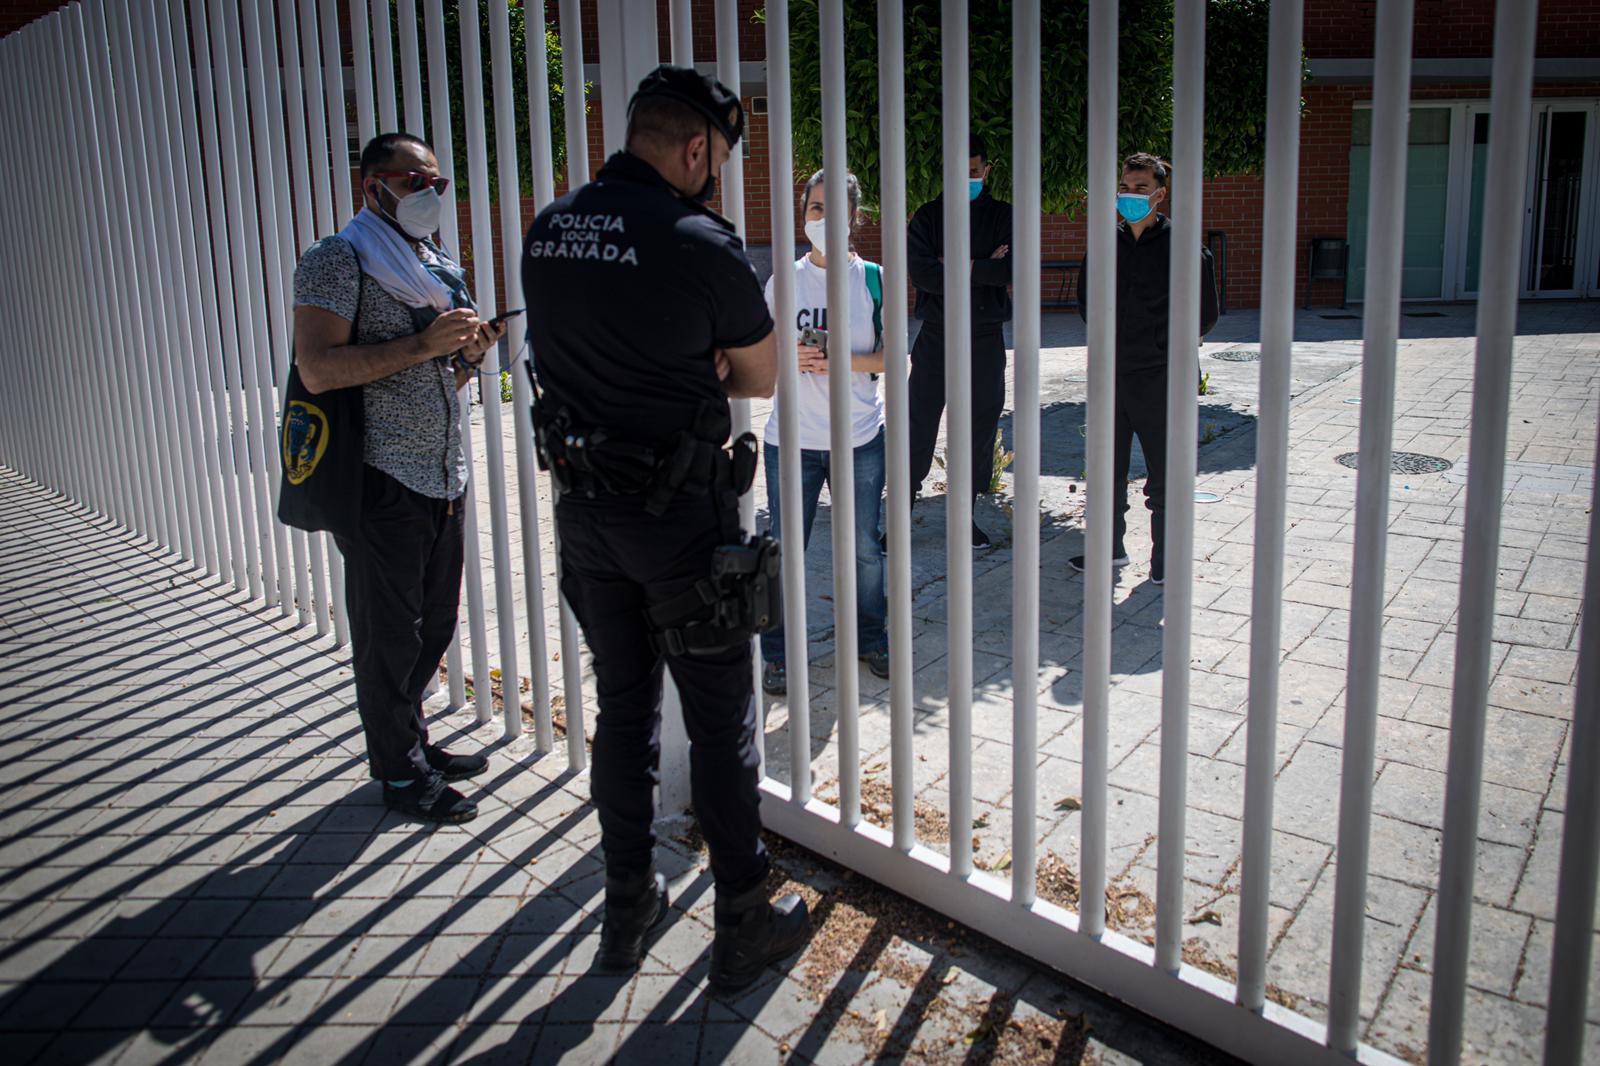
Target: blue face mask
974,187
1132,206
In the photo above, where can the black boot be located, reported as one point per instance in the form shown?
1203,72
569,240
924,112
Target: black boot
751,933
634,906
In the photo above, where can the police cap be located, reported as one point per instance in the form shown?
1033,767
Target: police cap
702,92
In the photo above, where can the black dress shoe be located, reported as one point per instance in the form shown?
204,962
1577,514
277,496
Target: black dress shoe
431,799
456,767
633,908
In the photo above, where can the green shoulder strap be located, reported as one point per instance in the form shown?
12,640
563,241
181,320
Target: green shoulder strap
875,290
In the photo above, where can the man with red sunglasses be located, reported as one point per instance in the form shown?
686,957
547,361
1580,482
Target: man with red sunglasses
382,308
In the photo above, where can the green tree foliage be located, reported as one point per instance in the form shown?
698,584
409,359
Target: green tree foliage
1236,71
519,90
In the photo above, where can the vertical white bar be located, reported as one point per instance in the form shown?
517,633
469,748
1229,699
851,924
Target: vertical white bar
1100,222
191,223
958,423
316,116
575,99
136,138
315,601
182,400
1505,180
58,108
255,520
300,161
230,535
1026,163
278,242
128,472
38,439
55,104
230,382
574,96
682,16
261,245
1278,260
732,193
892,170
841,457
361,49
338,119
1385,233
543,156
449,229
1188,113
489,386
780,148
411,67
383,55
1571,965
448,232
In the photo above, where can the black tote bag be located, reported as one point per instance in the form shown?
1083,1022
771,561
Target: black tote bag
322,445
322,442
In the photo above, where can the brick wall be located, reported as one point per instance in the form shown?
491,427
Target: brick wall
1342,29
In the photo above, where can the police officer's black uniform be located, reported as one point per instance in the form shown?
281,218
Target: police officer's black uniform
631,290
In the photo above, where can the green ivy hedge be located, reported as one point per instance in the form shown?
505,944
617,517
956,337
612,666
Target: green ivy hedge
519,89
1236,76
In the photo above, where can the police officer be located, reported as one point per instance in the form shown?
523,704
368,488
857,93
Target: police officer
645,318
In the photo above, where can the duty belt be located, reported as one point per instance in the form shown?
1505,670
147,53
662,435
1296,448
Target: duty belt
590,462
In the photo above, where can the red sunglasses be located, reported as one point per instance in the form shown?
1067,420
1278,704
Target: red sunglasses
416,180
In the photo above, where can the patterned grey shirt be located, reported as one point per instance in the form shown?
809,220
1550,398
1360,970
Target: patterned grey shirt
413,416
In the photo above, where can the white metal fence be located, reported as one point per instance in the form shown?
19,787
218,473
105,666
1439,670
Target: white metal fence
157,208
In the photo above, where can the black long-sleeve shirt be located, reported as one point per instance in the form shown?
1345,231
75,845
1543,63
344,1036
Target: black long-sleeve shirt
1144,287
991,228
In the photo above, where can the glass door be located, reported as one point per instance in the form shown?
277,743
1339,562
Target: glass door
1476,164
1427,190
1559,202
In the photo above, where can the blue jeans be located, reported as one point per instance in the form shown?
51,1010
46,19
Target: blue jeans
872,601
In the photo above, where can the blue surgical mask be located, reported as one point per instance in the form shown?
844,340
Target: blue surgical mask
1132,206
974,187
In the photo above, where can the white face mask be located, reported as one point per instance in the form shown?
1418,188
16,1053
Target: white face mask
817,234
417,214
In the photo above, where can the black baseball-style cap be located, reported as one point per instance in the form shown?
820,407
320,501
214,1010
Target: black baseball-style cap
702,92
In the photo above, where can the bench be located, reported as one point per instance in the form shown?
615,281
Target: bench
1064,297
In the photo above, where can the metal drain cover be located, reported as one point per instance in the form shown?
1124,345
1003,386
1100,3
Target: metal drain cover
1403,462
1238,355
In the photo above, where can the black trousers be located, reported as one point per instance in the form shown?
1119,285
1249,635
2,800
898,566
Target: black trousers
926,400
1141,411
402,590
617,561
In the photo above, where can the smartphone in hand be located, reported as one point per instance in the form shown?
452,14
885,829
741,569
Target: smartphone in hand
816,338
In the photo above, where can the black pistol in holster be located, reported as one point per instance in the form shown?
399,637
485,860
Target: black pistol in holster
742,597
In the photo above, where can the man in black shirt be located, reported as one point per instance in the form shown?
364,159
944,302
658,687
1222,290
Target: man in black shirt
645,317
1144,286
991,308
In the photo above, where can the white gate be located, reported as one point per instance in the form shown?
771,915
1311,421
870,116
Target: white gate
171,202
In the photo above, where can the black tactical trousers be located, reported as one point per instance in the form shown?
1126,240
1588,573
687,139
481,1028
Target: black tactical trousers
616,561
1141,411
402,590
926,400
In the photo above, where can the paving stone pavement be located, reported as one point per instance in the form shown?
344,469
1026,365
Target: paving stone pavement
1549,478
194,867
1549,481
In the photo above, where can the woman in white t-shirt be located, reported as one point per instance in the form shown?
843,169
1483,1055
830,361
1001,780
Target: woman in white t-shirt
811,409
